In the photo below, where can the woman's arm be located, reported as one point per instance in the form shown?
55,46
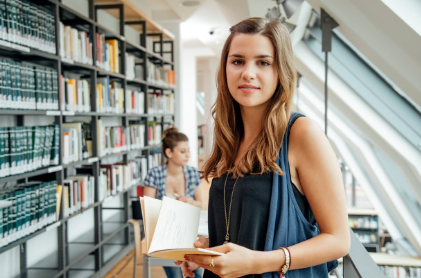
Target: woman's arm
149,191
315,171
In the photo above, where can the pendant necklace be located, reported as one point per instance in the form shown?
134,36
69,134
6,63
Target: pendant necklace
227,219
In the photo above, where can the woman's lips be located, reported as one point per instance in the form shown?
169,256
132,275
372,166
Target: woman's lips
248,89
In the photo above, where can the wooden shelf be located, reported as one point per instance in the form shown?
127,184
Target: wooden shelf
395,260
132,13
361,211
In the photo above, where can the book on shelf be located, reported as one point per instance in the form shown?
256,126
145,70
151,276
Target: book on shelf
78,193
75,143
31,206
111,139
114,53
135,102
25,149
154,133
137,136
154,159
110,96
171,228
75,45
27,86
75,95
27,24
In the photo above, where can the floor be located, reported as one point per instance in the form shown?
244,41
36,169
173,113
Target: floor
127,271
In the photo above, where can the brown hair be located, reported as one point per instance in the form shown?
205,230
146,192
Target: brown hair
170,138
229,129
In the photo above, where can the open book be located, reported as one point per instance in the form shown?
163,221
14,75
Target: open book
171,228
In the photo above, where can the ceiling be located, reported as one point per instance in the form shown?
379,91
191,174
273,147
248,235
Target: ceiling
205,24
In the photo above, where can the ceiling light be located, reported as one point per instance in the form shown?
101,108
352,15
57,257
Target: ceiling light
190,3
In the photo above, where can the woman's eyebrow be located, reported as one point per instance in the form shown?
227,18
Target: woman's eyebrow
257,56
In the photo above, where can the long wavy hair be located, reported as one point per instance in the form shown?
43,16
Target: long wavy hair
229,129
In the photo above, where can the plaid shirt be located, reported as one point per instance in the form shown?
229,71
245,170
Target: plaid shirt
156,178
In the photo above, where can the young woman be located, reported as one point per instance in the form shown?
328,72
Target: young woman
276,202
174,178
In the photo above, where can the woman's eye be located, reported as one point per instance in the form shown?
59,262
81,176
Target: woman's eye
264,63
237,62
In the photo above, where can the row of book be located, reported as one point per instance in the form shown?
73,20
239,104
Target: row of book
31,207
135,102
160,103
25,23
27,86
110,96
25,149
77,141
365,222
367,237
137,136
133,67
75,45
154,133
79,193
159,76
111,139
154,159
79,190
75,95
401,271
119,177
108,53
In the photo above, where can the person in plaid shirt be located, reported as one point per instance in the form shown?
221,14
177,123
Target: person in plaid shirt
175,179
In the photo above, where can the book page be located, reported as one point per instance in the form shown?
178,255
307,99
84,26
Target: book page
176,227
150,212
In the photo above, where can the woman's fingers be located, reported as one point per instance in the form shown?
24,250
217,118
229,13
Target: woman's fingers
186,271
202,242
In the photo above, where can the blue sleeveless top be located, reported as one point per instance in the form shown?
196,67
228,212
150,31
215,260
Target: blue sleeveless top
287,225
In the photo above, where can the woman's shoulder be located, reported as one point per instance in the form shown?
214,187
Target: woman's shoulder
157,169
305,135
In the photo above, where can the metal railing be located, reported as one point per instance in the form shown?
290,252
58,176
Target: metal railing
358,263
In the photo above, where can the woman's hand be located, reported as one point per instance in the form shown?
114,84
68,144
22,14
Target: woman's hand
237,261
188,267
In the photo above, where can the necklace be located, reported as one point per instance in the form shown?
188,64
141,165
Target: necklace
227,219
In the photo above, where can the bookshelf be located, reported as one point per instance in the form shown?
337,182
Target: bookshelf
83,110
365,224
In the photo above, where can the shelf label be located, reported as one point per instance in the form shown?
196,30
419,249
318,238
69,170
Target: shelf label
93,159
55,169
52,113
51,227
68,113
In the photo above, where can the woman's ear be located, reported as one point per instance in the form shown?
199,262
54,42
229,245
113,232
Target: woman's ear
168,152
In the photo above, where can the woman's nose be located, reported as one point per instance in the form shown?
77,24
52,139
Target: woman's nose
249,72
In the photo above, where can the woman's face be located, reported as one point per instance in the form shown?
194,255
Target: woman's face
181,153
251,71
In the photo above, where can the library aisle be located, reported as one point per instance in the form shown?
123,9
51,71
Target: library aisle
127,271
